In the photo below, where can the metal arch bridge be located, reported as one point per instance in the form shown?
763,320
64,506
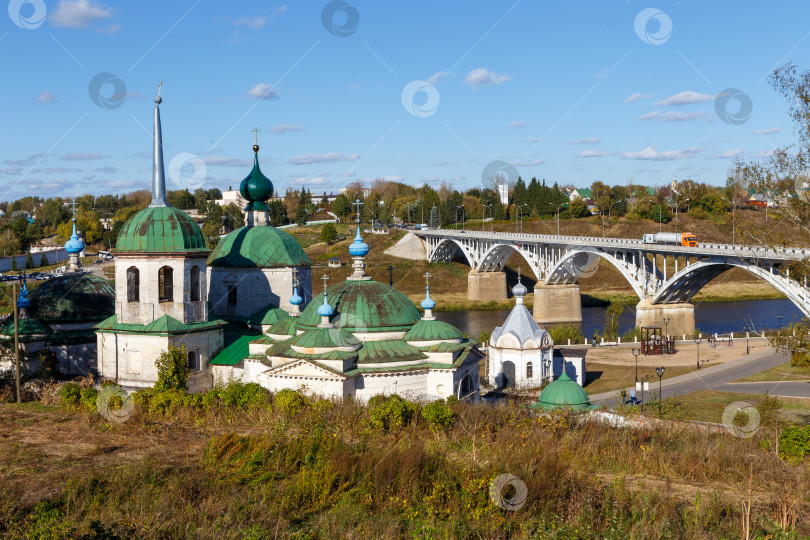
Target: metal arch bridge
558,260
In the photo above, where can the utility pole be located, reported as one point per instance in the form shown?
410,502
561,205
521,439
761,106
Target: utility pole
16,342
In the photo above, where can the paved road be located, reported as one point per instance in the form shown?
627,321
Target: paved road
720,378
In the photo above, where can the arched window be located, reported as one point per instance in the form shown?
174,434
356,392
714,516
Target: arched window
232,296
166,284
194,284
133,284
192,361
529,370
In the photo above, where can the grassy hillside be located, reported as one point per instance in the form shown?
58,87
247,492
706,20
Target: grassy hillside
449,281
245,464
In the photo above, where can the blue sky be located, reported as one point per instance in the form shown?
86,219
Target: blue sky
568,91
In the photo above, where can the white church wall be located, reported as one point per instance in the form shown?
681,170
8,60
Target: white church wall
256,288
574,368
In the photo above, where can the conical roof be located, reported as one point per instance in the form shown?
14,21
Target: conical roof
256,187
564,393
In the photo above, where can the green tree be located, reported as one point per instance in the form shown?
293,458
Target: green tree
301,216
578,208
29,261
43,260
660,213
342,207
328,233
14,264
233,218
172,369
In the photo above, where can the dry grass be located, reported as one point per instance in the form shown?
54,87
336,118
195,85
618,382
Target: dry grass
708,406
327,473
784,372
609,377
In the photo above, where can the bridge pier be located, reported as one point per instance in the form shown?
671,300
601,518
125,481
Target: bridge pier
681,317
486,286
557,304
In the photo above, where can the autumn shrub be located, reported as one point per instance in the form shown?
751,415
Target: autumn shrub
794,443
439,415
561,334
88,398
289,402
387,412
70,394
172,369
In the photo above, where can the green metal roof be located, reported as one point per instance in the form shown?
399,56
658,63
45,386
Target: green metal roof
28,329
444,347
234,353
378,352
433,331
73,297
164,325
283,349
262,247
284,327
71,337
160,229
325,338
268,315
364,306
563,393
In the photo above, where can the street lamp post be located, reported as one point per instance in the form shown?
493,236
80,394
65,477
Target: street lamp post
636,352
558,207
697,342
660,372
779,318
666,326
520,211
609,209
484,214
733,221
747,347
678,204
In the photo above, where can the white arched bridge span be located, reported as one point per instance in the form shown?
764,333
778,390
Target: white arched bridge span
665,277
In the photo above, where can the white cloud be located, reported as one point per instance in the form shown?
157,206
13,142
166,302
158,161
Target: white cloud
25,162
79,13
262,91
108,169
684,98
637,96
672,116
530,163
222,161
353,87
45,97
484,77
80,156
59,170
280,10
11,170
255,23
536,139
587,140
769,131
652,154
285,128
310,181
331,157
517,124
728,154
594,153
436,77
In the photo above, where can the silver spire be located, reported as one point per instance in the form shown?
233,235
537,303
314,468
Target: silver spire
158,176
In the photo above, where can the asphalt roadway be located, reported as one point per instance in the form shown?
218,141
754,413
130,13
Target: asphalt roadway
720,377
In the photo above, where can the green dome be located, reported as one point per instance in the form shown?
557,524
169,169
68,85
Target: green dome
364,306
564,393
284,327
256,187
261,246
73,298
433,331
160,229
324,338
30,330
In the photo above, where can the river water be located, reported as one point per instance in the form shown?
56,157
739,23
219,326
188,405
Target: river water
710,317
